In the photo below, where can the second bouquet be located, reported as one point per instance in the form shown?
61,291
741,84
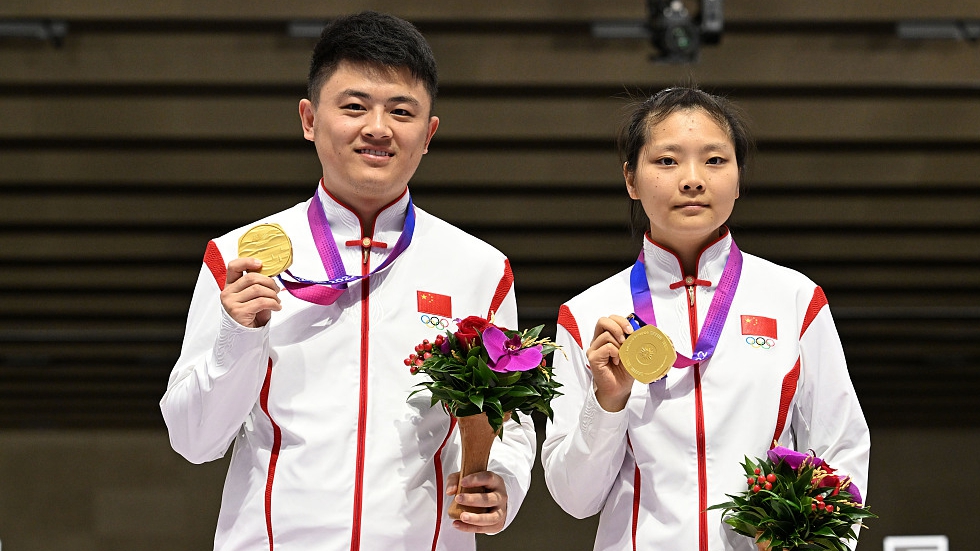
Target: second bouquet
482,375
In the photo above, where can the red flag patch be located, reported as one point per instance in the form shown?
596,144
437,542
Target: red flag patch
759,326
436,304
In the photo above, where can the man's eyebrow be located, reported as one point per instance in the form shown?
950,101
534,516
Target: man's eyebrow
350,92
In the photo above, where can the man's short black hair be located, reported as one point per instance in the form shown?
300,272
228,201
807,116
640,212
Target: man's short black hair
375,39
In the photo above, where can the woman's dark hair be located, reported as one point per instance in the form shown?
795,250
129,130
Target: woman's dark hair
645,114
375,39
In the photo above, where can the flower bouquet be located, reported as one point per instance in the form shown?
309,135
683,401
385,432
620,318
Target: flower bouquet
482,374
795,501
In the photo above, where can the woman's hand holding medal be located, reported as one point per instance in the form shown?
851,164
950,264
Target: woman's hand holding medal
624,350
612,382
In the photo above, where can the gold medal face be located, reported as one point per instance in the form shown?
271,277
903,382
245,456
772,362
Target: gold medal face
270,244
647,354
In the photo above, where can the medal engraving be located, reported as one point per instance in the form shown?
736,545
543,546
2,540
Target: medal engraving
647,354
270,244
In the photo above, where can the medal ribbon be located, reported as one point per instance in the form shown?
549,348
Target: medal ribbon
327,292
721,303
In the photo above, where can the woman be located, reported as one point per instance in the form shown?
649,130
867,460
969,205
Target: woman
759,359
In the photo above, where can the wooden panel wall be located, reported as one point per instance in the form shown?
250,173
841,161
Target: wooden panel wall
158,125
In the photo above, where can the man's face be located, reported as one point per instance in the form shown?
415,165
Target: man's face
371,127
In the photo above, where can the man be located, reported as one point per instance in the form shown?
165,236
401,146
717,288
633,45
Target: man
310,384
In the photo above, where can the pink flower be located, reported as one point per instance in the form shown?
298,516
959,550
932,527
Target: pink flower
793,458
852,489
506,354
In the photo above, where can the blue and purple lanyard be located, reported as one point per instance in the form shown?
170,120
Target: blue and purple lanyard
327,292
721,303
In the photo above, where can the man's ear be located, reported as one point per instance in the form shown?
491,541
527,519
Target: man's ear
433,126
307,114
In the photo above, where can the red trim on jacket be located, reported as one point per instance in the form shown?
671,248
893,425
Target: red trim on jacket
567,320
215,263
635,518
503,287
274,452
439,479
817,303
785,398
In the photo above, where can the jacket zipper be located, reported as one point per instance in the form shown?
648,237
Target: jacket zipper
692,314
355,542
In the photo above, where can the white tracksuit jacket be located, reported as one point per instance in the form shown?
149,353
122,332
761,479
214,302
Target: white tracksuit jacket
676,448
329,451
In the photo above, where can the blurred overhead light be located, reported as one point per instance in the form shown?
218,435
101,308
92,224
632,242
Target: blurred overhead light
47,30
939,30
305,29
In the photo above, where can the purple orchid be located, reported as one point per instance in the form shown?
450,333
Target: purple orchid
852,489
793,458
506,354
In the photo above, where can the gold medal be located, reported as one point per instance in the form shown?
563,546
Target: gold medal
270,244
647,354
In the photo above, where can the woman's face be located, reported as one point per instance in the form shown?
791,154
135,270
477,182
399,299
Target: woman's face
686,178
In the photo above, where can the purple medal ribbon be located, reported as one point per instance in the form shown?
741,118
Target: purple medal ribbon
717,312
327,292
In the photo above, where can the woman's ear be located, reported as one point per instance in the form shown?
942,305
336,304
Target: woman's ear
630,178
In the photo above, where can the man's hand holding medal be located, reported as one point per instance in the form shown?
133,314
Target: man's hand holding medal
250,294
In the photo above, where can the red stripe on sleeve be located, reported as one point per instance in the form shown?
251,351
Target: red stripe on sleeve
817,303
215,263
786,397
567,320
506,282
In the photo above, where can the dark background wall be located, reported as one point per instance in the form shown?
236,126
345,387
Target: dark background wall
153,126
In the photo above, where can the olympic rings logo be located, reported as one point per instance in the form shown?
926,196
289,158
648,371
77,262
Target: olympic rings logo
760,342
434,322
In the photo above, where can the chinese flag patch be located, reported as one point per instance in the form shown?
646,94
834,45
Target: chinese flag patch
759,326
436,304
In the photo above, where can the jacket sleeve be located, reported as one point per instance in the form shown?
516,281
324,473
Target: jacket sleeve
513,457
586,445
828,418
217,378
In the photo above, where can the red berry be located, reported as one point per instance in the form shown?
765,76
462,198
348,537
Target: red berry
750,481
757,470
419,362
830,508
427,355
813,506
755,489
427,347
408,361
820,499
413,370
768,485
761,480
771,477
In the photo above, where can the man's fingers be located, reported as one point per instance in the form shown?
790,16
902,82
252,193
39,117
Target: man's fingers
239,266
452,484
